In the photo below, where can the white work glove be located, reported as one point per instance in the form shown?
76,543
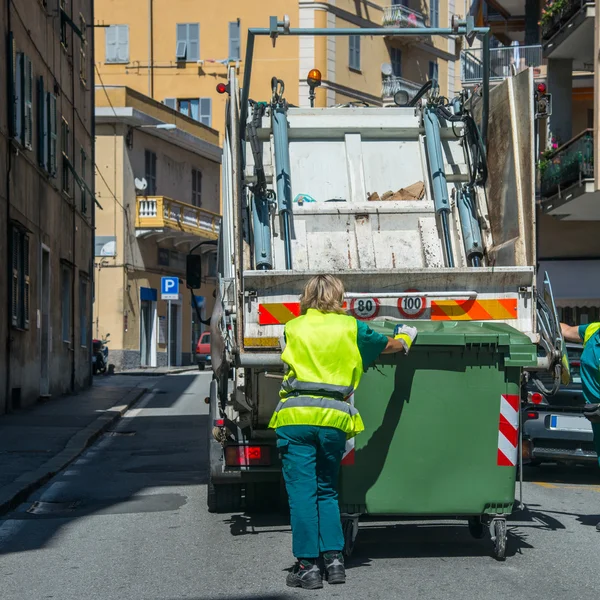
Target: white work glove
406,334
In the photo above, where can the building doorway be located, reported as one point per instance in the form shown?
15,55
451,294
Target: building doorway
147,333
45,334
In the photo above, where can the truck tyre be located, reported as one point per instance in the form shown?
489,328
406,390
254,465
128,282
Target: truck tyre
224,498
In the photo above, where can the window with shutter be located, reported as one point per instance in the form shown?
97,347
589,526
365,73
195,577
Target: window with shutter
63,23
354,58
66,174
234,40
27,103
42,125
12,84
53,135
196,187
396,60
26,282
19,79
206,111
83,174
66,303
150,159
188,42
15,295
434,13
117,44
433,71
20,283
171,103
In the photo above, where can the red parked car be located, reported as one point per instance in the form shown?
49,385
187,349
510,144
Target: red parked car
203,351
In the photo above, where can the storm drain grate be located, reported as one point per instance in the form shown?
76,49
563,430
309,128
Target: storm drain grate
47,508
119,433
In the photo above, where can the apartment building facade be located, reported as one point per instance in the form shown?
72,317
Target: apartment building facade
177,52
158,181
46,199
560,40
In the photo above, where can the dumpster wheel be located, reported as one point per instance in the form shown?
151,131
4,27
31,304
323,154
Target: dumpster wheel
498,532
476,527
350,530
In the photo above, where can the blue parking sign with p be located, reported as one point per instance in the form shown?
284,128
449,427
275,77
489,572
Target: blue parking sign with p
169,288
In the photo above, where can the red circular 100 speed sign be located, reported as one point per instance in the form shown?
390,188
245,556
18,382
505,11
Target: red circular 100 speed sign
412,307
365,309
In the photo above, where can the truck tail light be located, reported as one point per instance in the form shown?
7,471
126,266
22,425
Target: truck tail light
532,415
536,398
247,456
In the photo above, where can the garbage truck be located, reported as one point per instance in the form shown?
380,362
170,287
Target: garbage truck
424,209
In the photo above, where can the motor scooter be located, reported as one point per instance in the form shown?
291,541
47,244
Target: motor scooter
100,355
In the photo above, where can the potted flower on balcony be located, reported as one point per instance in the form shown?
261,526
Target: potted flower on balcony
552,14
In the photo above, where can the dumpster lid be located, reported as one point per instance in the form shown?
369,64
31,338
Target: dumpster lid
518,348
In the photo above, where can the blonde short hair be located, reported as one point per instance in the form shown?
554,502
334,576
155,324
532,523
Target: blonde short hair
324,293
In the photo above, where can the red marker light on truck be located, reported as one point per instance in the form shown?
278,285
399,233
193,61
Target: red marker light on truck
536,398
222,88
541,88
247,456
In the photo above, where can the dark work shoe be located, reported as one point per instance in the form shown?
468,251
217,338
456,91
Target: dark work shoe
334,567
306,575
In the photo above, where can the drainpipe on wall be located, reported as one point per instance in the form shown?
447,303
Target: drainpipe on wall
150,52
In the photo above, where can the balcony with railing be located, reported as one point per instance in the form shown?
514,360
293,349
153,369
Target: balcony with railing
566,179
568,31
401,16
505,62
159,214
391,85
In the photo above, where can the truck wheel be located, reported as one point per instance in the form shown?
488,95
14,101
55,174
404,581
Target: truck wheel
224,498
262,497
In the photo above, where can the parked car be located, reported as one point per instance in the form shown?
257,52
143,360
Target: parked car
554,428
203,351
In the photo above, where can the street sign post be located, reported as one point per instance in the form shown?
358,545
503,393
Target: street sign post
169,288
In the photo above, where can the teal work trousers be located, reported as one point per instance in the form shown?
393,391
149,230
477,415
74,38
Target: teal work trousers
311,458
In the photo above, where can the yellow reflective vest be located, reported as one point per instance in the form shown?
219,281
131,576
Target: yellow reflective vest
324,369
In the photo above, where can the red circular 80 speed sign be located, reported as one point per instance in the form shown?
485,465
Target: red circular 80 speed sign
364,308
412,307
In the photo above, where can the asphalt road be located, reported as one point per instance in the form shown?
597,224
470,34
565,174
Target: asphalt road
129,520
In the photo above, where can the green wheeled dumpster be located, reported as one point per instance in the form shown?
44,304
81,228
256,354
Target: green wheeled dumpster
441,432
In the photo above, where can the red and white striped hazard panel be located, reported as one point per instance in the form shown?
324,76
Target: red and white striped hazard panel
508,430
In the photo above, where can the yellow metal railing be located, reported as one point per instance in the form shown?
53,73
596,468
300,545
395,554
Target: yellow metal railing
160,212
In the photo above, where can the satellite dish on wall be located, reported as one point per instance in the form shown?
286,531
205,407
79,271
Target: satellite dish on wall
386,69
140,184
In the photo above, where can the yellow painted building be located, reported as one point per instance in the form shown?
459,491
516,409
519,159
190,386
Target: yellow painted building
177,51
158,182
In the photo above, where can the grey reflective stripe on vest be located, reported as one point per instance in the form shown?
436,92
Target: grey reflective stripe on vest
301,401
293,385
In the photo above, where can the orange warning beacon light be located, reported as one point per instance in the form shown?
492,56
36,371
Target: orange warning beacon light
314,78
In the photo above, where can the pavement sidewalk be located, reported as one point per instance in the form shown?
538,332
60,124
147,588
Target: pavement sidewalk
38,442
157,371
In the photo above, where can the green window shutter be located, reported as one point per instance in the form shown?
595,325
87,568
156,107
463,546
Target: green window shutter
53,136
18,133
26,283
42,125
15,283
12,90
27,103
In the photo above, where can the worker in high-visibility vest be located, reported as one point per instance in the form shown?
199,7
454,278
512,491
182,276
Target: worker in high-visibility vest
589,368
325,352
